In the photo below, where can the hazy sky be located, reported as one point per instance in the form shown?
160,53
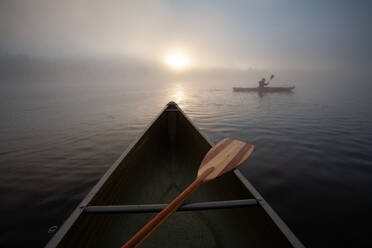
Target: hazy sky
233,34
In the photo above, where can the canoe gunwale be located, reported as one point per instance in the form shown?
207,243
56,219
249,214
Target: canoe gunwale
273,215
62,231
259,201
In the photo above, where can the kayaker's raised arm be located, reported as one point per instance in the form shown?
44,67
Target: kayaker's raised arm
272,76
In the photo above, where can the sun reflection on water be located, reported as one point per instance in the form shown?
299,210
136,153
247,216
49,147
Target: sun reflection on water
178,96
177,93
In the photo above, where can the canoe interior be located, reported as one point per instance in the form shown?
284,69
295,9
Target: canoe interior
158,167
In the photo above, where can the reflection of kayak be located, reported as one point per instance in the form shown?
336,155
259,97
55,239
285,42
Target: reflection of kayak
265,89
227,212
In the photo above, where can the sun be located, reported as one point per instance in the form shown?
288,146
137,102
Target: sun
177,61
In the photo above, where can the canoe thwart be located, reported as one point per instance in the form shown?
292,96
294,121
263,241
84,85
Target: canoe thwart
150,208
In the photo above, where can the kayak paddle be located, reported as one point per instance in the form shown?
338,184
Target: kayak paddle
222,158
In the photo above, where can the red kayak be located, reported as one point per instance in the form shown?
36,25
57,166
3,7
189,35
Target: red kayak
265,89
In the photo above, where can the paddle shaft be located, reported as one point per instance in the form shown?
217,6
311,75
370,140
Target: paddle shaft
151,226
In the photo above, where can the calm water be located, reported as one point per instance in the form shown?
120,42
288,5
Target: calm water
312,163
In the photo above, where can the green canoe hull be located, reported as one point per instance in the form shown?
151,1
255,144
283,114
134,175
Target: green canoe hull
159,165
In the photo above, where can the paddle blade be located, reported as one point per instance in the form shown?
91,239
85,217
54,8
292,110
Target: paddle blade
224,157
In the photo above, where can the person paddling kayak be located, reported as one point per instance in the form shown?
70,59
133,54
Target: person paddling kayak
262,84
262,87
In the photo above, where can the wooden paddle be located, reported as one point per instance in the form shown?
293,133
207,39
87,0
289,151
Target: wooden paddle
222,158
